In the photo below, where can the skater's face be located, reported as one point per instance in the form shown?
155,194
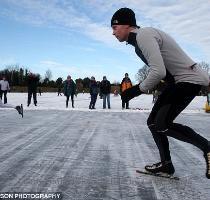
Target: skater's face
121,32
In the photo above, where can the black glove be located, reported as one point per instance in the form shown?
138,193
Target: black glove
130,93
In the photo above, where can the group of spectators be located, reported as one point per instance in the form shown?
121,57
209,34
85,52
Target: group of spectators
102,88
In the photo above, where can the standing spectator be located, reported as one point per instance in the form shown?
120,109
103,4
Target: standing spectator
4,88
32,88
125,84
69,90
59,91
93,92
105,89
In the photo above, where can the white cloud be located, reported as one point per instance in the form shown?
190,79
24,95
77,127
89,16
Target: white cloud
48,13
78,72
49,64
188,20
185,20
4,61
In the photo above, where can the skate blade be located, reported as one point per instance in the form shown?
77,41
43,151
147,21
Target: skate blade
161,174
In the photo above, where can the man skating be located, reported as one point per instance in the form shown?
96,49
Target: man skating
184,80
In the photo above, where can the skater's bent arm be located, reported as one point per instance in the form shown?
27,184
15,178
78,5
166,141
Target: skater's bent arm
151,51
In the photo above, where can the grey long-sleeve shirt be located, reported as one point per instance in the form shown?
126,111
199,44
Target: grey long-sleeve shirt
162,54
4,85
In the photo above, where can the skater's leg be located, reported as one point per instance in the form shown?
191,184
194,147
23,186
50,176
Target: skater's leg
178,131
104,100
160,140
29,97
35,98
94,100
127,105
108,100
164,124
5,96
67,101
168,106
91,101
72,100
123,104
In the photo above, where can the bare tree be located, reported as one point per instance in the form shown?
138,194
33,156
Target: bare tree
205,66
48,75
142,73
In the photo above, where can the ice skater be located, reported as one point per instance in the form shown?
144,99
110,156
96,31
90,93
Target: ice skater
18,108
184,81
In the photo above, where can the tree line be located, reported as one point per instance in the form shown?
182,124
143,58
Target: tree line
18,76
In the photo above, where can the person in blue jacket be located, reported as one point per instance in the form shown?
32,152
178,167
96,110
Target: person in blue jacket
93,92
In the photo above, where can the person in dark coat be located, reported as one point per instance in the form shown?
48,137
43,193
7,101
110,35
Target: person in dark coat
93,92
59,91
33,81
69,90
105,88
125,84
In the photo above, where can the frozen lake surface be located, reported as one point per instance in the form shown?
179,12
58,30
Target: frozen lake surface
94,154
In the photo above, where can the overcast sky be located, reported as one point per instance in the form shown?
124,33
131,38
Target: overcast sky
74,36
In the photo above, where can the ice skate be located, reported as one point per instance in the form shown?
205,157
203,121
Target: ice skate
20,109
161,167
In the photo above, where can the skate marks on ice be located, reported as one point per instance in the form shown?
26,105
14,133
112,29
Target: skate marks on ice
189,162
92,156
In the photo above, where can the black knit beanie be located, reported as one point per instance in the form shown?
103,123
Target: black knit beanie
124,16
